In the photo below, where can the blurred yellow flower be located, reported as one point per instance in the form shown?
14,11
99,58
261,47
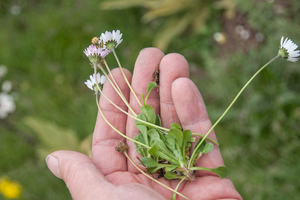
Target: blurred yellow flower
10,189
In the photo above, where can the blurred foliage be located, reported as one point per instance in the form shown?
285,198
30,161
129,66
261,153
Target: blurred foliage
260,136
53,138
180,15
42,44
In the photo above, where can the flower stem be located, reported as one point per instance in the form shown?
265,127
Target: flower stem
128,138
123,111
174,195
230,105
206,138
117,91
112,77
152,177
125,77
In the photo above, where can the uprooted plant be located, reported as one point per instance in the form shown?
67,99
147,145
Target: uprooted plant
166,152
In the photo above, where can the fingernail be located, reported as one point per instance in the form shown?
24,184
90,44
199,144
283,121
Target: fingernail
52,164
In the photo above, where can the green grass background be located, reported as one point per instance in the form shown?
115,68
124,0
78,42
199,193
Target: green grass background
42,49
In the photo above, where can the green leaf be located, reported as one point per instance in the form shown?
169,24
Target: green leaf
207,148
169,167
142,127
150,87
178,155
177,134
153,134
159,149
221,171
166,167
161,134
158,120
172,175
149,162
187,135
140,149
200,149
175,126
153,166
170,142
149,112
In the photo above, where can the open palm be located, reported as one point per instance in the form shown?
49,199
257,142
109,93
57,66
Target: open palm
109,175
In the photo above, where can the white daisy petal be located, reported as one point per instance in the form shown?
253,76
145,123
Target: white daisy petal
111,40
288,50
91,83
102,79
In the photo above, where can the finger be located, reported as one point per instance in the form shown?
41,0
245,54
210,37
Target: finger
82,177
145,65
105,139
172,66
193,116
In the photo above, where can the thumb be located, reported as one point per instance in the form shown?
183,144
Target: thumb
82,177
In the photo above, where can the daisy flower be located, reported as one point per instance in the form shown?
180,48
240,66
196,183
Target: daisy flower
288,50
111,40
92,82
95,54
7,105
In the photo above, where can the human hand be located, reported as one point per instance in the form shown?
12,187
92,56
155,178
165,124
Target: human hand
109,175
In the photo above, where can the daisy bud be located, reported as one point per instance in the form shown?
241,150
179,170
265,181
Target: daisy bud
95,41
122,147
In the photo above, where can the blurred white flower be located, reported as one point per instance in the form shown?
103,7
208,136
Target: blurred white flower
6,86
111,40
259,37
92,82
288,50
7,105
15,10
245,34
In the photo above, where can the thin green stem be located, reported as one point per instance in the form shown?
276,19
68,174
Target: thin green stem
116,57
117,91
132,116
152,177
206,138
174,195
128,138
230,105
112,77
